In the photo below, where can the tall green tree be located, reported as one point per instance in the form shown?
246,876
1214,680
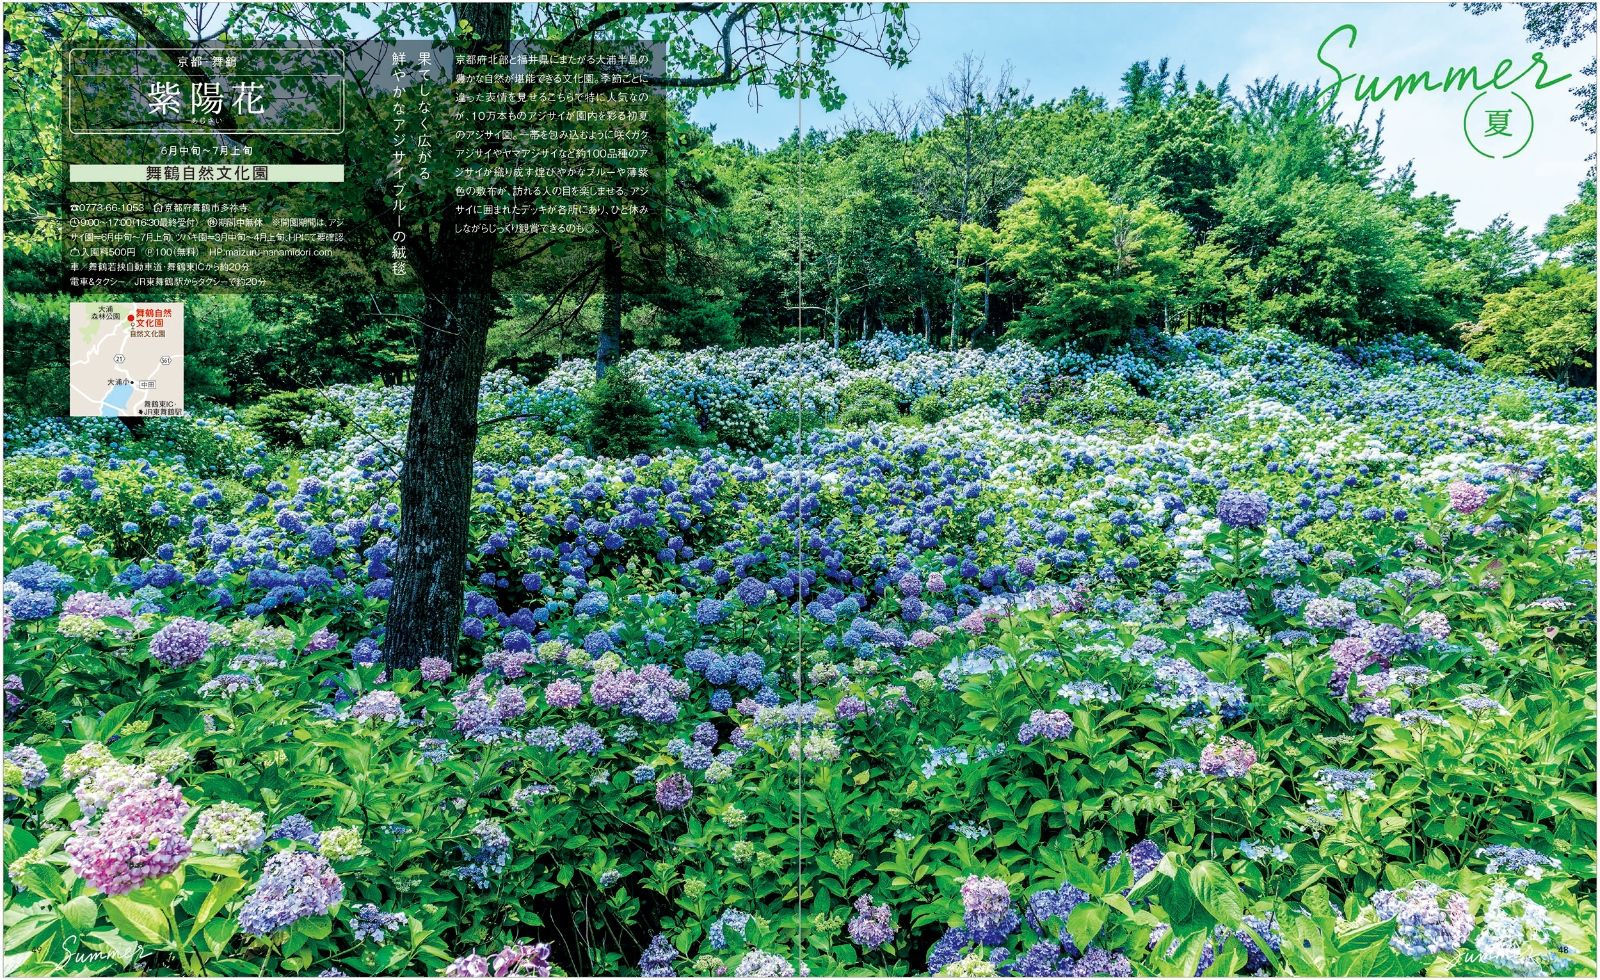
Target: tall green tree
1088,269
1544,326
714,46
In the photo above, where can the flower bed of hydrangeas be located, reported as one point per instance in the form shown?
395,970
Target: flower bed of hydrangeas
1236,655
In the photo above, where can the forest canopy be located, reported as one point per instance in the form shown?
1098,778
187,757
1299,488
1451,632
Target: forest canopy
977,213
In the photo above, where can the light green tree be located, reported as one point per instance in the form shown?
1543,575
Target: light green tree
1544,326
1088,268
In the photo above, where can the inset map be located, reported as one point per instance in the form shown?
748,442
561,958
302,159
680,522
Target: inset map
127,359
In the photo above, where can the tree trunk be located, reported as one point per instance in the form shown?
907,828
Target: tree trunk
988,283
610,343
436,479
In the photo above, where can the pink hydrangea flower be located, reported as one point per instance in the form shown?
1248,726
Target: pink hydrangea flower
1434,625
1228,757
140,837
563,694
1466,497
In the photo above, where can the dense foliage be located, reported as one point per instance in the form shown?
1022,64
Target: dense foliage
1235,654
976,213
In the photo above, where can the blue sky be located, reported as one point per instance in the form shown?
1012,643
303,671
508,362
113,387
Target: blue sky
1055,47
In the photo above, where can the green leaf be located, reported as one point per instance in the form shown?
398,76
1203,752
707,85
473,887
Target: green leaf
1217,892
1085,922
143,922
80,913
113,720
221,890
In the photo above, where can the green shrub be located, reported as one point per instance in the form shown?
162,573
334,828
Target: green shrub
867,400
930,409
1104,399
297,419
30,478
981,389
215,447
504,444
1513,405
619,419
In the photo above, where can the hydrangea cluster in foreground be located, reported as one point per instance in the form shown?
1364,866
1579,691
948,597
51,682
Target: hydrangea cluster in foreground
1234,655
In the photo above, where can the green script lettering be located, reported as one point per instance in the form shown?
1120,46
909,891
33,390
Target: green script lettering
1375,88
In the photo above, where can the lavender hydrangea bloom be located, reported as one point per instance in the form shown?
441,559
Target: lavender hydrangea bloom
372,923
182,642
489,856
1336,781
1428,919
378,706
1097,962
1143,858
673,791
758,963
1045,725
658,957
32,772
1239,509
870,927
470,965
988,914
1465,498
522,960
1517,860
563,693
435,669
1227,757
294,885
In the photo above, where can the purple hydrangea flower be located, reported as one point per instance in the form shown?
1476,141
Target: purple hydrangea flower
1466,497
294,885
1045,724
870,927
1239,509
1428,919
988,916
583,738
673,791
1228,757
373,923
563,694
436,670
139,837
522,960
470,965
182,642
378,706
658,958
